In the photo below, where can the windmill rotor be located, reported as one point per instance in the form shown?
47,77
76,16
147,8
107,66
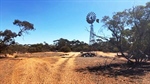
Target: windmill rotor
91,17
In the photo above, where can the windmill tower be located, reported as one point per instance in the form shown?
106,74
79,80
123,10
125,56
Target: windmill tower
90,18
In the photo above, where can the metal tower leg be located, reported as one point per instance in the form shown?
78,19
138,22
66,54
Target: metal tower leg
92,37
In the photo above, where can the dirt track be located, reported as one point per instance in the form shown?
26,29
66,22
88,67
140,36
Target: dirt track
45,68
40,70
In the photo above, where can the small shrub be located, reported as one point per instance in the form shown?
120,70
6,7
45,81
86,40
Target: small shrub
65,49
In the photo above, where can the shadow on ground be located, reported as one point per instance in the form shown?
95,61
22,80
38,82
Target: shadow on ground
118,69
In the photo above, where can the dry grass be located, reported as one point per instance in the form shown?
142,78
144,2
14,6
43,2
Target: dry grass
36,68
39,54
108,54
27,69
107,70
53,68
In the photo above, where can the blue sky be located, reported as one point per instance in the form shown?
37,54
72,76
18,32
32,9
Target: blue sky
54,19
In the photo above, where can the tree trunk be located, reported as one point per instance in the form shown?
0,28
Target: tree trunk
123,55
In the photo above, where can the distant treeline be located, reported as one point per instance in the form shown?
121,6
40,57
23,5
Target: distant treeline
62,45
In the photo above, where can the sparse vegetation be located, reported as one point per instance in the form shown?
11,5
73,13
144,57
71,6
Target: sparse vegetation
61,62
130,32
7,36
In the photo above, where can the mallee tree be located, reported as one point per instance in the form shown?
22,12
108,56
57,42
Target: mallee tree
131,32
7,37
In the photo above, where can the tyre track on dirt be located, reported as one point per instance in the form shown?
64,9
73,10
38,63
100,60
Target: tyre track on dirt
41,71
67,76
70,76
60,68
32,71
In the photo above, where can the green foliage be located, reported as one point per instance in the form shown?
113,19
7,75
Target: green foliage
74,45
65,49
130,31
7,36
24,26
40,47
61,42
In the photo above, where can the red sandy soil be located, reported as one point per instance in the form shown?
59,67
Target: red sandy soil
55,68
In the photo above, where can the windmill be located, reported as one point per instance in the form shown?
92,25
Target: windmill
90,18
